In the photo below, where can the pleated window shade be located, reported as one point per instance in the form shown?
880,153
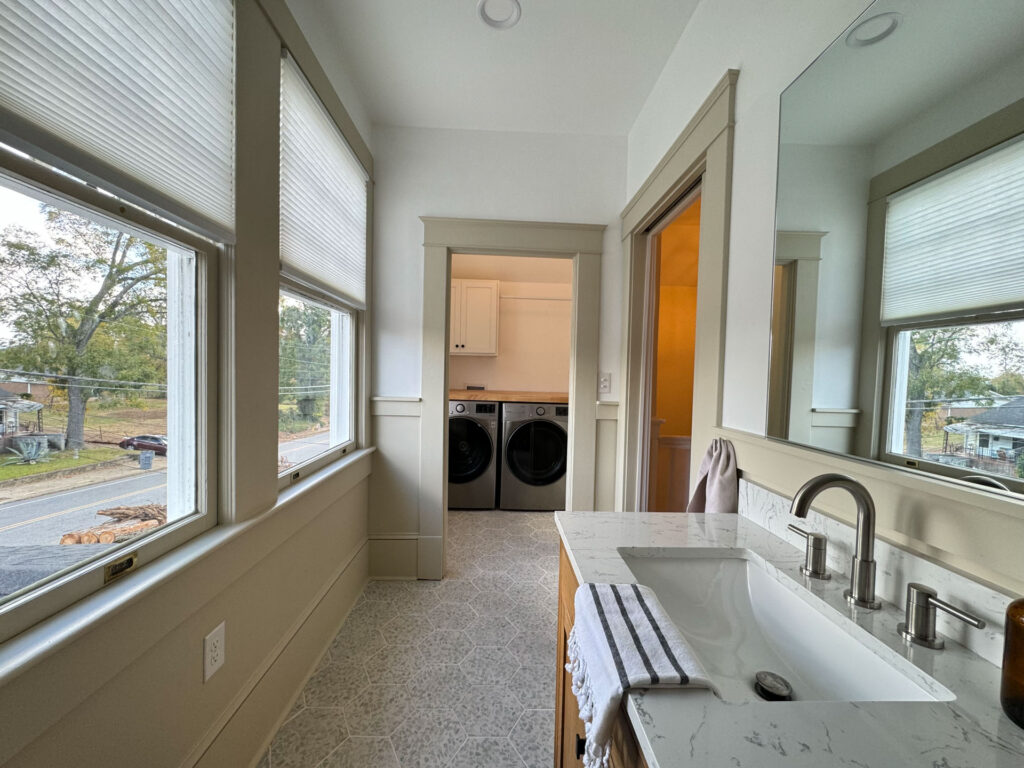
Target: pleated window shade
136,96
954,245
323,196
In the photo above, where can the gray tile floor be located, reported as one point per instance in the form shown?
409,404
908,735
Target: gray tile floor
452,674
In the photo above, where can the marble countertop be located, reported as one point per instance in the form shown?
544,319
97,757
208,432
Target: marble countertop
692,727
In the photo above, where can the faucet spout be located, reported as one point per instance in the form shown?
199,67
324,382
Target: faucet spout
862,581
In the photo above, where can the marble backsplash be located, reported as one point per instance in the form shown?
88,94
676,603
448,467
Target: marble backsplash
896,568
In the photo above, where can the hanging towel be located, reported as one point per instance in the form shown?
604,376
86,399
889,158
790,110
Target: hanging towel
717,482
622,639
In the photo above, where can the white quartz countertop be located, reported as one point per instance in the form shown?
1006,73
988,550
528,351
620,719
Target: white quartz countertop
692,727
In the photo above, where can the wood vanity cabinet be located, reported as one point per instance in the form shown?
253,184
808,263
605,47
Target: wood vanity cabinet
569,732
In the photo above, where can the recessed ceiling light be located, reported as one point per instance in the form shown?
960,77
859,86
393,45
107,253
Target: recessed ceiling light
500,14
874,30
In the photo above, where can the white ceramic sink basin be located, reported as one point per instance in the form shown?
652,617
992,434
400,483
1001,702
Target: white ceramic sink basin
739,620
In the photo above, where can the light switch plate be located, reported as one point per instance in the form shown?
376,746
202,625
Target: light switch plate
604,383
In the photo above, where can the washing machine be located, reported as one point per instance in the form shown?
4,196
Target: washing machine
472,454
535,444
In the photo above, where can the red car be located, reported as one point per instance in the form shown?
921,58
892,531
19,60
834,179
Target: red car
155,443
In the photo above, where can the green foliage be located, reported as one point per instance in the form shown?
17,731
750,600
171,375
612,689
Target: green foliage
1020,464
1009,383
31,452
947,364
304,363
83,301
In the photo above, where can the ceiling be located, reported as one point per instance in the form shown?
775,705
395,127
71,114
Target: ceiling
569,66
514,269
857,96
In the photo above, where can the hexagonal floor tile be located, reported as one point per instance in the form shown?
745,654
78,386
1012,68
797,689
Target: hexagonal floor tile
533,737
534,647
492,753
377,710
493,582
393,664
456,590
308,738
430,737
452,616
488,710
407,628
445,646
335,684
361,752
491,630
535,686
438,685
356,641
492,603
489,666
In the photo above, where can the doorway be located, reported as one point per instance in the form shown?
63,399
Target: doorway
509,360
669,345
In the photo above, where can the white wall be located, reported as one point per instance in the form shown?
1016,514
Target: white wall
825,189
488,175
770,43
534,342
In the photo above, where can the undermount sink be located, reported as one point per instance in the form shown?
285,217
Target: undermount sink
740,620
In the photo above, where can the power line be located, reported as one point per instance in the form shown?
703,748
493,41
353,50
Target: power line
79,378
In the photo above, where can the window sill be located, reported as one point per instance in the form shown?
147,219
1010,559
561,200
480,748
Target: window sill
57,632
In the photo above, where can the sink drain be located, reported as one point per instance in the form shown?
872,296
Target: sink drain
772,687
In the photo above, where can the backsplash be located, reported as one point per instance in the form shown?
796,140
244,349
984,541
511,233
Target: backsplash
896,568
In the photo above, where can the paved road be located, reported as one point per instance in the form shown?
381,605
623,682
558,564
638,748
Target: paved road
304,448
45,519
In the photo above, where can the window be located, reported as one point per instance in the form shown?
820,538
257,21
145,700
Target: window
953,303
323,277
137,98
316,406
100,395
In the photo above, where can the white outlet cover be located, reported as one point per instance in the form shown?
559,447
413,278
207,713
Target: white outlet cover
213,651
604,383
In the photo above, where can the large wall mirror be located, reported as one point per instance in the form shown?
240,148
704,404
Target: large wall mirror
898,310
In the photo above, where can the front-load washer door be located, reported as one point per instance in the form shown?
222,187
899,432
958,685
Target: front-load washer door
470,450
535,452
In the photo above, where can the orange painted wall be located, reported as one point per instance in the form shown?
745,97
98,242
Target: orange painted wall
677,318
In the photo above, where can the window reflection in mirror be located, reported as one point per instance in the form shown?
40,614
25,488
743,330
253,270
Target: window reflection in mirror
900,224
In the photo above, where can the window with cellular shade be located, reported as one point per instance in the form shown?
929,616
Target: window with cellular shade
323,196
954,244
136,96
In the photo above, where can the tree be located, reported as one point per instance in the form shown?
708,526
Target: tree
86,303
950,364
304,355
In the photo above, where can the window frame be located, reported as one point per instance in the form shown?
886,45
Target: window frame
889,397
63,588
303,292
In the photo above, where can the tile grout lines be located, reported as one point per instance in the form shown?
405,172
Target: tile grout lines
451,674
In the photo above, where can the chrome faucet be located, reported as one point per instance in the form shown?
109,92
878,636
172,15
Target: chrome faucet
862,577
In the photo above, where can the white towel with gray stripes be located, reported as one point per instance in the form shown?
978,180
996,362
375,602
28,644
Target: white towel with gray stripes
622,639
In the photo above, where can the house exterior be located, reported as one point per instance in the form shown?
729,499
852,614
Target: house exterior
995,436
17,414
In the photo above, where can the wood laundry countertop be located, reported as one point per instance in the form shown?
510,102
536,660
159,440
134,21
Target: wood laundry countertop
504,396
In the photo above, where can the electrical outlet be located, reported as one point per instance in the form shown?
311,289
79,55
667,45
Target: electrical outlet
604,383
213,651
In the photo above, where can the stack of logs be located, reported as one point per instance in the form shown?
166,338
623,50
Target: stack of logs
128,522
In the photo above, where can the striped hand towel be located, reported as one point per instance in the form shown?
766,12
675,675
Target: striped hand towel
622,639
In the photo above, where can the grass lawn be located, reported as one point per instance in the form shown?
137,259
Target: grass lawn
110,425
62,460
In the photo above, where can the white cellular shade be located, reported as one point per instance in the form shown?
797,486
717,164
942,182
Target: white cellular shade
136,96
954,244
323,195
